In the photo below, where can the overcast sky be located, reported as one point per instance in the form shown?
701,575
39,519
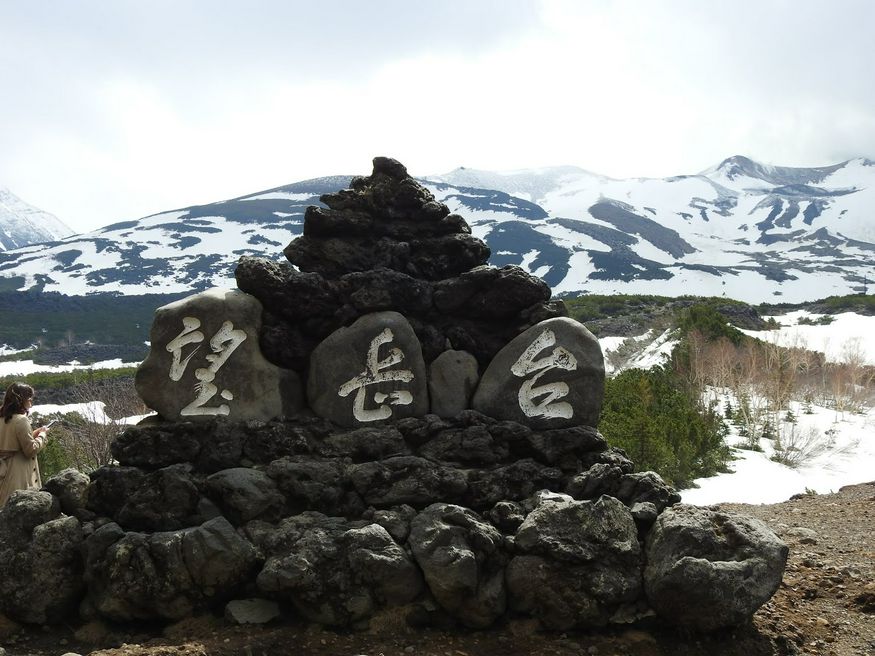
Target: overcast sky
117,109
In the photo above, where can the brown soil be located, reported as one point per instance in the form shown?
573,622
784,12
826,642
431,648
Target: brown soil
826,605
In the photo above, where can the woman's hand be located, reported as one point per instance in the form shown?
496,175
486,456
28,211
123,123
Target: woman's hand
40,432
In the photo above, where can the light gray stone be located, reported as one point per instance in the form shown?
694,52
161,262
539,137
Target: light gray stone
40,566
168,575
251,611
205,361
369,372
334,571
802,534
376,560
644,512
463,560
396,521
708,570
579,562
551,376
245,494
452,379
71,488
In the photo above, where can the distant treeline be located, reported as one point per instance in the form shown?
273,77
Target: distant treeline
629,314
50,319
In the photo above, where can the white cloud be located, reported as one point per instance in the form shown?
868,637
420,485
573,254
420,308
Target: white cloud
124,109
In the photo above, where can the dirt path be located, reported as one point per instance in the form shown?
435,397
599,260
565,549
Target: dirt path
825,606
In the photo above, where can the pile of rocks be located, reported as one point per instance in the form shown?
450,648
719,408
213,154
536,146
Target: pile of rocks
386,244
392,424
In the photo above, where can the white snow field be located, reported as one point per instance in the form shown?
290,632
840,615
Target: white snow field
847,440
24,367
847,334
851,459
93,411
846,445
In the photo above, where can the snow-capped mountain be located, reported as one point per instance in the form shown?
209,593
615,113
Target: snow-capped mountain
22,224
740,229
743,229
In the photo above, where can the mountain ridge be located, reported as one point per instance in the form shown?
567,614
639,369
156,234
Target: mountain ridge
739,229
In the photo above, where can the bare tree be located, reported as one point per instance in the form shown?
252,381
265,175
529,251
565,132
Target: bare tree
86,436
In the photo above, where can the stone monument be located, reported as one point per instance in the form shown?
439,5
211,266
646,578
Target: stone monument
385,423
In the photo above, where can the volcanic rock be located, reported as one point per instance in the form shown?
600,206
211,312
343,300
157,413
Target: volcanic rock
708,570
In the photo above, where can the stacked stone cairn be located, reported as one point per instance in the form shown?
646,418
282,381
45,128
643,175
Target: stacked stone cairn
389,425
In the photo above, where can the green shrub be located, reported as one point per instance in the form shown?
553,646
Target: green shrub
43,380
709,323
53,459
662,427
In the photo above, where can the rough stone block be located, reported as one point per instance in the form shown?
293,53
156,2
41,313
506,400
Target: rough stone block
552,375
205,362
369,372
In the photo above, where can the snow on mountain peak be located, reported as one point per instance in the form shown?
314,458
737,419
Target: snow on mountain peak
741,229
22,224
739,169
528,184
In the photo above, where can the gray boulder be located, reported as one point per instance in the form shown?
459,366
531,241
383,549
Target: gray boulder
564,447
552,375
630,488
169,575
24,511
579,563
396,521
71,488
707,570
452,379
205,362
372,371
513,482
384,289
244,494
111,487
364,444
471,445
310,484
488,292
165,500
463,560
161,445
334,572
507,516
40,565
406,479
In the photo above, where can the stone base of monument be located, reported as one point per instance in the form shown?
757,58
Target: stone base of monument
391,424
480,518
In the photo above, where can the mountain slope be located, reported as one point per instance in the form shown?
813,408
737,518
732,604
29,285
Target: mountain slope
740,229
22,224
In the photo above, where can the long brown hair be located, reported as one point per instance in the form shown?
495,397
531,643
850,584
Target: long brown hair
14,400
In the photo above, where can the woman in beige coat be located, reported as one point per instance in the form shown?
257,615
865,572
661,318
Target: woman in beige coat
19,443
